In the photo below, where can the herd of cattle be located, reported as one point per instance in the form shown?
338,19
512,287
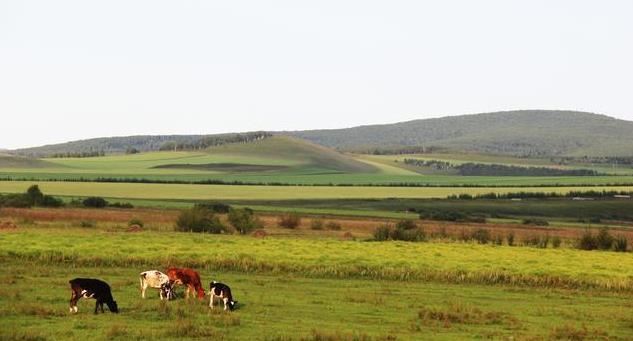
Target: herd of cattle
165,283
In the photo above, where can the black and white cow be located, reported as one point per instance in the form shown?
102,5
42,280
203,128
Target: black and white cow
223,292
157,280
91,288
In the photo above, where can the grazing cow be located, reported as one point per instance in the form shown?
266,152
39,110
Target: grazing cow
223,292
188,277
157,280
91,288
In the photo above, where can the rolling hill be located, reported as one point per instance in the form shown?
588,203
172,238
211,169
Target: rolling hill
523,133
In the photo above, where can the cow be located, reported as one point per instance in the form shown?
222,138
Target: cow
188,277
157,280
221,290
91,288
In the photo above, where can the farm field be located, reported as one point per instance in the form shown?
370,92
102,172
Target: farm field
253,192
337,289
285,160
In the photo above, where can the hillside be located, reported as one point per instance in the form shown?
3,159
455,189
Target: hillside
523,133
296,151
12,161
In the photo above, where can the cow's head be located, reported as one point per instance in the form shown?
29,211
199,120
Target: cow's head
113,306
232,305
168,290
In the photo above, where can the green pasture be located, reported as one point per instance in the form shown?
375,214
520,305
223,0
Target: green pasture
313,289
281,307
436,261
252,192
283,160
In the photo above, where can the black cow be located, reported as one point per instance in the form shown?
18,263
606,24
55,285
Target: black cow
91,288
224,292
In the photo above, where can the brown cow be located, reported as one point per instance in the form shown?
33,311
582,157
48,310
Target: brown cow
188,277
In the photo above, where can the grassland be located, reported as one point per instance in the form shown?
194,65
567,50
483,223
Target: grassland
250,192
282,160
332,289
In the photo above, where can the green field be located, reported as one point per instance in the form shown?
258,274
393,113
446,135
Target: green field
282,160
314,289
250,192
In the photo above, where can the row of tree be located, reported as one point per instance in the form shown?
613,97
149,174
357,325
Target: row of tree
484,169
215,140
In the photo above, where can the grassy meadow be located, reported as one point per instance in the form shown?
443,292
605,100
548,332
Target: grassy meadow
257,192
313,288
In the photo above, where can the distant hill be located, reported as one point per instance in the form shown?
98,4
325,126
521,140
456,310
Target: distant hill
528,133
13,161
295,150
523,133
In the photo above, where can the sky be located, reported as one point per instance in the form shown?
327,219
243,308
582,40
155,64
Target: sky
80,69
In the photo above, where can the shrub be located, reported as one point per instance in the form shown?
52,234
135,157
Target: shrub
14,200
135,221
604,241
382,233
95,202
243,220
535,221
121,205
215,207
407,230
290,220
498,240
34,195
334,226
199,220
556,241
482,236
316,224
587,241
620,244
50,201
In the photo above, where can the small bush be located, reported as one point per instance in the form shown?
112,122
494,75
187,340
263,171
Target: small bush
406,224
121,205
334,226
199,220
215,207
243,220
587,241
316,224
604,241
535,221
290,220
95,202
482,236
556,241
135,221
620,244
382,233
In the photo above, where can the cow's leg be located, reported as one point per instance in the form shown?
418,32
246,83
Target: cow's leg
160,293
226,304
187,291
97,307
101,306
211,299
73,301
143,288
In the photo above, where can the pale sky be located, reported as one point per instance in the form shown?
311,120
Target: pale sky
81,69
